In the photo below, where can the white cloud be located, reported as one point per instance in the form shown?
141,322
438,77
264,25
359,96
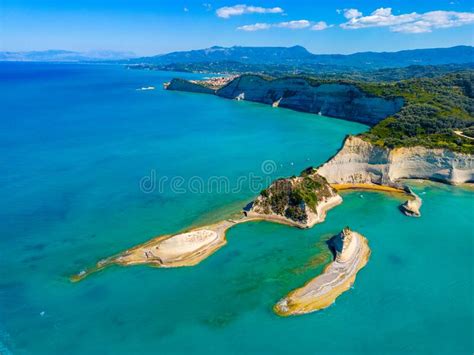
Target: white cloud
186,9
413,27
319,26
351,13
255,27
294,25
237,10
407,23
207,6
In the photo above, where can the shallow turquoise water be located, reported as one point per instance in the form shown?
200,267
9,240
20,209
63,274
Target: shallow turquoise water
75,143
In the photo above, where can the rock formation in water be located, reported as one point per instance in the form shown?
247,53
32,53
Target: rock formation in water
302,200
412,207
351,253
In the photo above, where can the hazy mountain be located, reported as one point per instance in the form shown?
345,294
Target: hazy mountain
64,56
432,56
237,54
299,55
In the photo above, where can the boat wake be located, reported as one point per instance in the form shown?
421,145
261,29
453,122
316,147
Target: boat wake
146,88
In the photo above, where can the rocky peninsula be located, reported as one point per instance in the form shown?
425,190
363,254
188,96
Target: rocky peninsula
351,253
300,202
303,201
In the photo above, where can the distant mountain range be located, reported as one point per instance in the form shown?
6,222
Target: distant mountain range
253,58
252,55
298,55
64,56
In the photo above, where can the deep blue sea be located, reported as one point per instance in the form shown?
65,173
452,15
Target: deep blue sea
91,166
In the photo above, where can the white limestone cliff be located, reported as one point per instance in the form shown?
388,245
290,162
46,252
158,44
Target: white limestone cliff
362,162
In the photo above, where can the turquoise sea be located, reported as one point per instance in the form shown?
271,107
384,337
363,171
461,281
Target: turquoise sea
77,144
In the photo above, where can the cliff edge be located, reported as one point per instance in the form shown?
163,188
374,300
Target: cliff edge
340,100
361,162
188,86
343,101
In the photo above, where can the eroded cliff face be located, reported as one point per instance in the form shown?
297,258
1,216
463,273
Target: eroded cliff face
362,162
334,100
342,245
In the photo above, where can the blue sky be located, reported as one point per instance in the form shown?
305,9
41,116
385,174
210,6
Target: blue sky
149,27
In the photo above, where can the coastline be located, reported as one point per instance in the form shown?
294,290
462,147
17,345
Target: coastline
191,246
167,250
358,165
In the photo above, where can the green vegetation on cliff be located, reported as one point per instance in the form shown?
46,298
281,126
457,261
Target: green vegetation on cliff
434,112
290,197
328,72
434,108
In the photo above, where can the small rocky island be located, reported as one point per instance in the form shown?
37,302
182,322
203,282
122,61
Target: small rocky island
301,200
351,253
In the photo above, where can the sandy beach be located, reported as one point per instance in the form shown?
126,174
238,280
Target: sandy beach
182,249
375,187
